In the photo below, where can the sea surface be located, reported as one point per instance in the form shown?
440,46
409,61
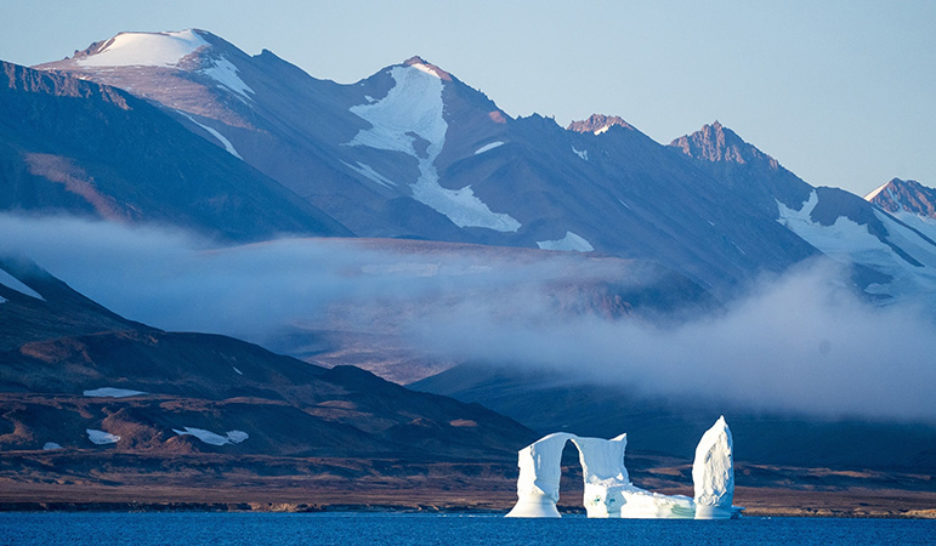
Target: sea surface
101,529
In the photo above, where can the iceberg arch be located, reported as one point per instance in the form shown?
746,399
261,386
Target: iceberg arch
609,492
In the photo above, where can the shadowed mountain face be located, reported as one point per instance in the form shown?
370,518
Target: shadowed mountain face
70,366
79,147
549,402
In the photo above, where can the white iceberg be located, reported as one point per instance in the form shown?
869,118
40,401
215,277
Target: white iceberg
538,484
713,473
609,492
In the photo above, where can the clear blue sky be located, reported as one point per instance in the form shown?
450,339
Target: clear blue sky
843,93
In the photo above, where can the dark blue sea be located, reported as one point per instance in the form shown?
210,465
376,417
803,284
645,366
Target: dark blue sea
101,529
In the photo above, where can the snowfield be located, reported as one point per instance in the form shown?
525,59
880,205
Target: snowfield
414,106
211,438
213,132
12,282
111,392
99,437
368,172
847,241
146,49
224,72
488,147
571,241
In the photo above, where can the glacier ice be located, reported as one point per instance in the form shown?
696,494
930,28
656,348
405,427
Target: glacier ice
609,492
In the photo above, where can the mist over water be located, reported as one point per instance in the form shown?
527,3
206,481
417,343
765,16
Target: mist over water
801,342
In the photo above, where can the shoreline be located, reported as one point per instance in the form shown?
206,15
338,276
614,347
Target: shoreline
303,508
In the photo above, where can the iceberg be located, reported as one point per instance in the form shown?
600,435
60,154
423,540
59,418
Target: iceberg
609,492
713,473
538,483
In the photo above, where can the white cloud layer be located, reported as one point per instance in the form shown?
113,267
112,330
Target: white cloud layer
800,342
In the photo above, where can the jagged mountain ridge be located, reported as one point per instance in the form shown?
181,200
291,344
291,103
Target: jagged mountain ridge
910,202
905,195
893,255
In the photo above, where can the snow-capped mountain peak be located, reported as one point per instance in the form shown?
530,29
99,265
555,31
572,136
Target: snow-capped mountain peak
910,202
143,49
598,124
419,63
905,195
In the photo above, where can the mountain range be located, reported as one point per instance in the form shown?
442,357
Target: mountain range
186,131
412,151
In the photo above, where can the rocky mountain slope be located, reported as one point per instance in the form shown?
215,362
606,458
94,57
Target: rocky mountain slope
73,146
79,378
414,152
910,202
893,255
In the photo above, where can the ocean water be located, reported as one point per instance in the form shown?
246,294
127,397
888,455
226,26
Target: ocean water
101,529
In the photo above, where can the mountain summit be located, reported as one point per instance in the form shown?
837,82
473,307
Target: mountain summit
905,195
716,142
598,124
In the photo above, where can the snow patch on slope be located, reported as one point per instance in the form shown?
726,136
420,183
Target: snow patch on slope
12,282
923,224
111,392
583,154
414,106
571,241
228,147
224,72
99,437
211,438
51,446
366,171
875,192
427,69
847,241
146,49
488,147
